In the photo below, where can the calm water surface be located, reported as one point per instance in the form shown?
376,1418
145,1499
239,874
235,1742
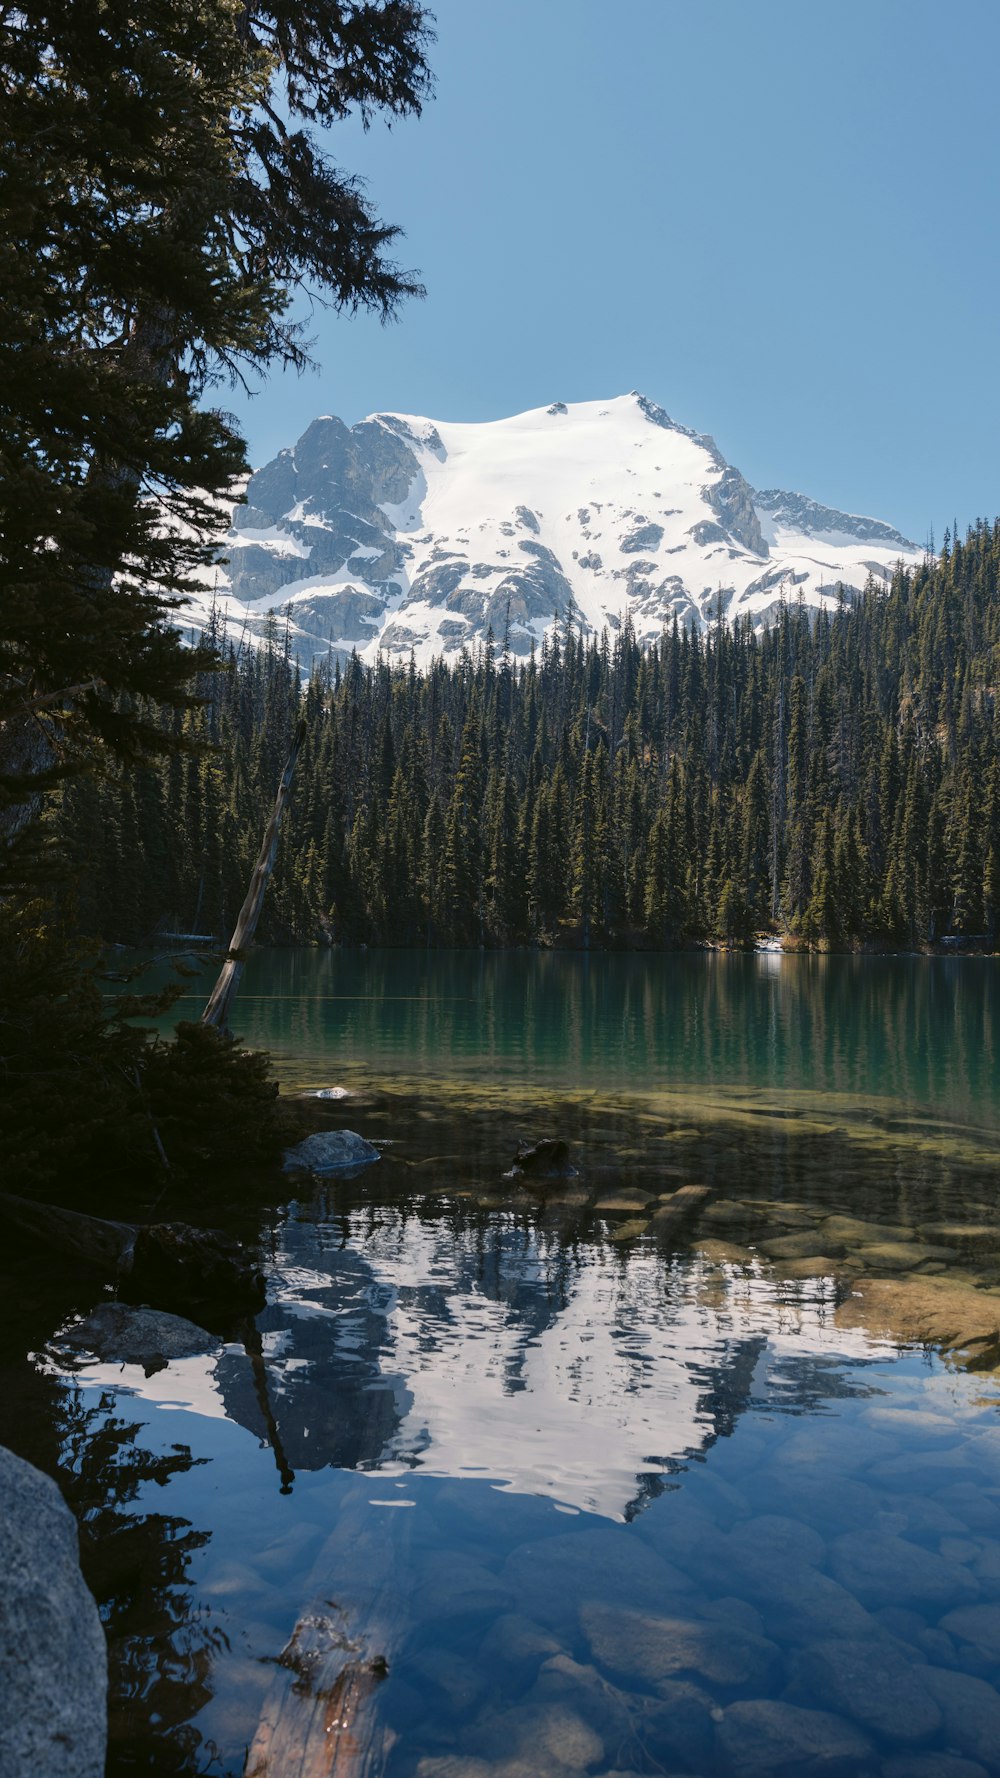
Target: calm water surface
608,1496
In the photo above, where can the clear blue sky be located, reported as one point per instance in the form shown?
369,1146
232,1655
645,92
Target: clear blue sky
779,218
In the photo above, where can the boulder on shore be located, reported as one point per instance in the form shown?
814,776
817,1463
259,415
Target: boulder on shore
53,1662
330,1151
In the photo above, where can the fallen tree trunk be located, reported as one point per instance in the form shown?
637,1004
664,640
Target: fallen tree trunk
224,993
322,1717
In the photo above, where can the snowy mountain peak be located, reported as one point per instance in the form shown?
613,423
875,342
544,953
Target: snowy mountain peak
406,533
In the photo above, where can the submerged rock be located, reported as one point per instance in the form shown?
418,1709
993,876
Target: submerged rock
629,1231
881,1569
53,1664
552,1575
651,1648
518,1645
547,1159
971,1709
932,1765
330,1151
759,1737
934,1311
872,1682
980,1625
549,1738
118,1334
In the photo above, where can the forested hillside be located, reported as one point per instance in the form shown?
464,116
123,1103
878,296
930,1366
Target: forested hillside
836,778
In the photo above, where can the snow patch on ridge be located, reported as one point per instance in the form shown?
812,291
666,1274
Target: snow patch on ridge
425,534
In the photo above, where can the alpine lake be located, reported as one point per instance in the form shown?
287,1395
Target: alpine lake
581,1486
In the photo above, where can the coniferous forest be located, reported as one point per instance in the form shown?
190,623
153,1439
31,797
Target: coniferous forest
834,779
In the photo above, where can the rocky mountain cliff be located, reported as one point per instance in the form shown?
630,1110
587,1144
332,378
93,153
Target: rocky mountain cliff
404,533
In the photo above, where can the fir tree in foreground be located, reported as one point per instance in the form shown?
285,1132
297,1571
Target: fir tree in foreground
163,193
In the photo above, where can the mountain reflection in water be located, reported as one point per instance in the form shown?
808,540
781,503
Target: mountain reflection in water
576,1373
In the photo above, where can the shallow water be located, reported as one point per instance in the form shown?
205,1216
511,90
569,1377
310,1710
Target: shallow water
608,1495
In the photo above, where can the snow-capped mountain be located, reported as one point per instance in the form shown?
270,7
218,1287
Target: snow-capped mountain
403,533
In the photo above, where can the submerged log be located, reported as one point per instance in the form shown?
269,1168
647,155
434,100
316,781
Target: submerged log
166,1262
322,1717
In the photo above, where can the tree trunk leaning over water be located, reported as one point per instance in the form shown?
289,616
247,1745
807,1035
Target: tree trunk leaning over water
224,993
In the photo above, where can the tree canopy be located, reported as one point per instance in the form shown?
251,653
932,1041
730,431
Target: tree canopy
163,193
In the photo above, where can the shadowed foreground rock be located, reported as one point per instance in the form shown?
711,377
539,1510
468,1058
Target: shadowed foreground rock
167,1263
53,1666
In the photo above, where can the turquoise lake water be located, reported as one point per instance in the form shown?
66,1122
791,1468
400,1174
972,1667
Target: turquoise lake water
599,1493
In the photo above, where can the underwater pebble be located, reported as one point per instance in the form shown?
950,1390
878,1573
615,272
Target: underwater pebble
519,1645
460,1682
762,1736
801,1246
550,1576
972,1506
639,1645
454,1586
810,1497
921,1426
552,1737
874,1684
971,1710
678,1730
738,1612
854,1232
932,1765
629,1231
978,1624
608,1711
887,1570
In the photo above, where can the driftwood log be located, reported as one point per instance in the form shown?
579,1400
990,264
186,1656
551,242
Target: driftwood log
166,1262
322,1717
221,999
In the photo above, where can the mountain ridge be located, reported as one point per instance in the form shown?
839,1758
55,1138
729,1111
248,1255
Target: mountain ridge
406,534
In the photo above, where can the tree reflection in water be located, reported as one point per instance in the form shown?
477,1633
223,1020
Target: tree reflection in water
161,1643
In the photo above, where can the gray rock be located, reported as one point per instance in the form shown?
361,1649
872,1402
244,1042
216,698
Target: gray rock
971,1709
640,1646
770,1539
455,1683
553,1576
330,1151
886,1570
518,1646
761,1736
932,1765
737,1613
459,1588
978,1624
550,1739
875,1684
118,1334
678,1730
602,1706
53,1663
